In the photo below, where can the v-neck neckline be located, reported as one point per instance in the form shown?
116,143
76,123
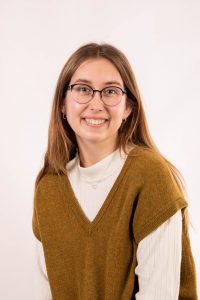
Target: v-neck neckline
70,198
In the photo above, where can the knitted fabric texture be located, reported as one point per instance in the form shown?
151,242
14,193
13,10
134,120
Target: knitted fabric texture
96,260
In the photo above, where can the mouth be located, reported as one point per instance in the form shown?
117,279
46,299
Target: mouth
95,122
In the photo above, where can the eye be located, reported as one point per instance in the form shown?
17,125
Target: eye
83,89
111,91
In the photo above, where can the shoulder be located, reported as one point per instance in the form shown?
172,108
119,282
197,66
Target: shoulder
148,162
159,196
48,184
48,191
147,155
47,180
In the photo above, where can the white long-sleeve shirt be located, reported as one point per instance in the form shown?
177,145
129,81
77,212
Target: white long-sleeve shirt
158,254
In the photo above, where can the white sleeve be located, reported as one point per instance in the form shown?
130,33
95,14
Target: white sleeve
159,261
43,282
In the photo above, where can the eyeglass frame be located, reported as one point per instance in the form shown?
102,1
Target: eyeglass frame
70,87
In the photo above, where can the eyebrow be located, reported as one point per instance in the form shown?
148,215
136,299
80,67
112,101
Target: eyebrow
106,83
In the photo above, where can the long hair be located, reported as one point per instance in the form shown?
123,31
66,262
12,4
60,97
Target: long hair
62,143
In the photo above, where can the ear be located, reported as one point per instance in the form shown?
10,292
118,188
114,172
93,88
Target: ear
128,110
63,109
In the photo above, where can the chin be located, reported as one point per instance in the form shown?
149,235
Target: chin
93,138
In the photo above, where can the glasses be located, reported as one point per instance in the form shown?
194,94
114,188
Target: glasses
82,93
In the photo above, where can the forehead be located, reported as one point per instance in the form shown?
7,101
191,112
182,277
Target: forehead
98,71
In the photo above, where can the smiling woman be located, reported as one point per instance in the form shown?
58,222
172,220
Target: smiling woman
96,117
106,200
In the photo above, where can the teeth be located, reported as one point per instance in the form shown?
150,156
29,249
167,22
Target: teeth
94,121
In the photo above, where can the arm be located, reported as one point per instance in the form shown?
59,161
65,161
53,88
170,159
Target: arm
159,261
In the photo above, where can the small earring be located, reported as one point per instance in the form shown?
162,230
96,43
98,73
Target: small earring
64,116
124,120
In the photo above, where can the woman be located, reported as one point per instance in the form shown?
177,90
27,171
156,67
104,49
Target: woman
109,209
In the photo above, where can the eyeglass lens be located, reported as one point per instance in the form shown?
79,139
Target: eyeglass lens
110,95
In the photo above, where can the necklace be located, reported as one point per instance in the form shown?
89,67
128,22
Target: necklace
91,179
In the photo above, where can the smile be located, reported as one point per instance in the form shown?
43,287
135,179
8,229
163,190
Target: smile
95,121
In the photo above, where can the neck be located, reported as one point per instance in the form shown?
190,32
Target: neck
92,154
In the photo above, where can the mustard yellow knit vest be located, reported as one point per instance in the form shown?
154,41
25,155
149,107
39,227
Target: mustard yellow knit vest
96,260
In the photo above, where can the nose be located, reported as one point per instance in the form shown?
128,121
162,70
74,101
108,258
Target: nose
96,103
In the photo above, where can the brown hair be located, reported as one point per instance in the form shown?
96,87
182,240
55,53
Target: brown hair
61,138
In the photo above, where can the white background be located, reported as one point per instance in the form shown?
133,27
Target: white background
162,41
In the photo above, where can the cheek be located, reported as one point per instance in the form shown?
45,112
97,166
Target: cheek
74,111
117,113
72,108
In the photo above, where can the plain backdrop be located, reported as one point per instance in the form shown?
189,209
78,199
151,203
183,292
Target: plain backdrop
162,41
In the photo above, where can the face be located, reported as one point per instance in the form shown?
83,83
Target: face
94,122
